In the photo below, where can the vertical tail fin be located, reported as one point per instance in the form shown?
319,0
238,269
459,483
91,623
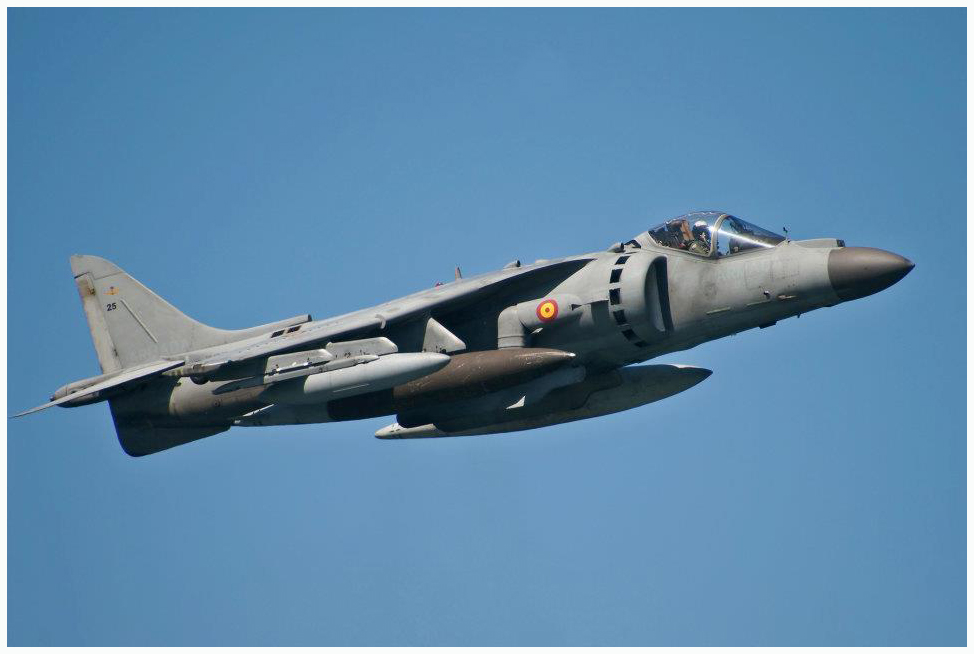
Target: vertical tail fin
130,324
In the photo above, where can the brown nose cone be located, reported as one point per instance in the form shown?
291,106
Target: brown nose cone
858,272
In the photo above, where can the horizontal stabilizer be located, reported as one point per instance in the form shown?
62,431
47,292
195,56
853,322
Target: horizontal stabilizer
122,378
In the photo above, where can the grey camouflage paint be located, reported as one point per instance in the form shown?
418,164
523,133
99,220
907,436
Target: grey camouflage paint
170,379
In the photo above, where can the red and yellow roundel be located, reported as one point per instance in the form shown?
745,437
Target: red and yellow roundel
547,311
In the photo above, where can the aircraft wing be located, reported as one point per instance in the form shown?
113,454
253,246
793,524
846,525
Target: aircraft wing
444,297
124,377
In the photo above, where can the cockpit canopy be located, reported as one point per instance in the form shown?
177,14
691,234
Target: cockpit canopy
695,232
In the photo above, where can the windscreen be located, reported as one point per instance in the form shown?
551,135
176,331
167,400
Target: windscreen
735,236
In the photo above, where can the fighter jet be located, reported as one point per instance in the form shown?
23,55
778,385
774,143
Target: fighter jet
523,347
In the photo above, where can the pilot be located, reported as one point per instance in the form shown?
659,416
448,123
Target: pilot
678,235
701,238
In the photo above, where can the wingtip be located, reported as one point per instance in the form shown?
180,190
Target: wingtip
27,412
46,405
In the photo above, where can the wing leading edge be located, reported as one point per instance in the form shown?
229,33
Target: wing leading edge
378,317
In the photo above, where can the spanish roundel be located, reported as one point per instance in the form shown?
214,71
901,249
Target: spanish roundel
547,311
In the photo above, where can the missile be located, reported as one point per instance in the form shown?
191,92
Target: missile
381,373
222,369
598,395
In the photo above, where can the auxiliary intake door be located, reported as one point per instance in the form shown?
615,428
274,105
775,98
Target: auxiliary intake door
639,298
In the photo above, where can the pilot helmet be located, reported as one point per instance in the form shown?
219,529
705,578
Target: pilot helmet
700,228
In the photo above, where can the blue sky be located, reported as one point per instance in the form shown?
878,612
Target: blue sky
252,165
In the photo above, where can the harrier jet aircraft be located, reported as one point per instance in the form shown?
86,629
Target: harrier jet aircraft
520,348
